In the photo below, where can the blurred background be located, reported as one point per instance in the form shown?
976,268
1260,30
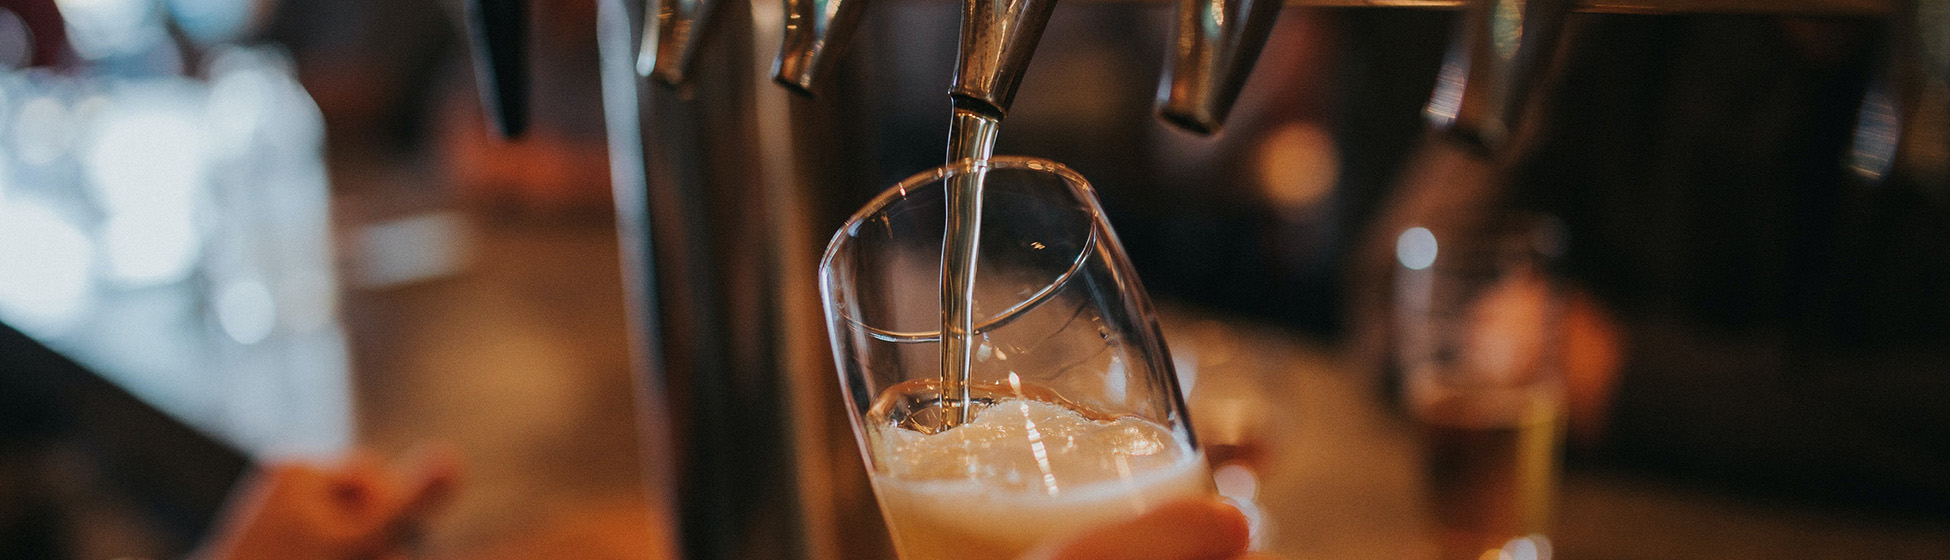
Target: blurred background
234,231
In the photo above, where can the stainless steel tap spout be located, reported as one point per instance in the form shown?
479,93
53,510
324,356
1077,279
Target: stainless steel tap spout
670,44
1217,43
816,31
499,31
1501,48
997,39
1922,73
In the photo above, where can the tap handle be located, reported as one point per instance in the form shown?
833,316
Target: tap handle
997,39
499,31
816,31
1218,41
670,41
1500,52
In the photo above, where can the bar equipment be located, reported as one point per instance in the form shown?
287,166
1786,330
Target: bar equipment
726,187
1074,414
499,33
816,31
1218,42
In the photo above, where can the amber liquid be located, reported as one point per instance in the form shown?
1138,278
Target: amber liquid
973,493
971,135
1490,481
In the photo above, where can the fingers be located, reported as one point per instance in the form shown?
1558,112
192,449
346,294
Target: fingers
432,471
432,474
387,504
1186,530
362,508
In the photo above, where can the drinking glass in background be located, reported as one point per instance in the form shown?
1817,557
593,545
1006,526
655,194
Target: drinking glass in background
1076,418
1478,313
1224,371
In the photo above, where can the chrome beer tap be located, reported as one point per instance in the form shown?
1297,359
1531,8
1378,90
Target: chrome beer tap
1920,76
669,46
1217,43
498,30
816,33
998,37
1500,50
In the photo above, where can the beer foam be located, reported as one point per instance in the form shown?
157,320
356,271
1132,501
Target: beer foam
1022,445
1023,471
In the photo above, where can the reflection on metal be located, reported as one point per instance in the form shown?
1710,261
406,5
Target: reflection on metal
997,39
816,31
1922,67
1500,49
1904,124
1874,145
671,45
1217,43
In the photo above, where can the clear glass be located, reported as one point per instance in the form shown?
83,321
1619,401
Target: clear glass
1078,419
1478,312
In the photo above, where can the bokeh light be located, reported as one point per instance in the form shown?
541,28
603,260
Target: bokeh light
146,168
1298,166
1415,248
46,283
246,311
212,21
103,28
43,130
16,40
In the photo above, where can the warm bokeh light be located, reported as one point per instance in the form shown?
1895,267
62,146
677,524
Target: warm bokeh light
1298,166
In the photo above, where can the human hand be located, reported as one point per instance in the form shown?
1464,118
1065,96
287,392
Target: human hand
1185,530
362,509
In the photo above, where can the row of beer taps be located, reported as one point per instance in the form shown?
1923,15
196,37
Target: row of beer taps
1216,44
1500,47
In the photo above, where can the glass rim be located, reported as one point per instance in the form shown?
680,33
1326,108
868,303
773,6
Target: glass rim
1078,186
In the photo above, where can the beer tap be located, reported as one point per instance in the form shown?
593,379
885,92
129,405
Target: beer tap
499,32
1902,128
998,37
1500,49
1217,43
1922,60
816,31
670,44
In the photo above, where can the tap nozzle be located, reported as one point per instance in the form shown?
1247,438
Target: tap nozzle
1921,79
1500,52
499,31
997,39
816,32
670,42
1218,41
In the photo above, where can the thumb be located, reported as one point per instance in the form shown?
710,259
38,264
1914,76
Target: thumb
435,471
387,504
1186,530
